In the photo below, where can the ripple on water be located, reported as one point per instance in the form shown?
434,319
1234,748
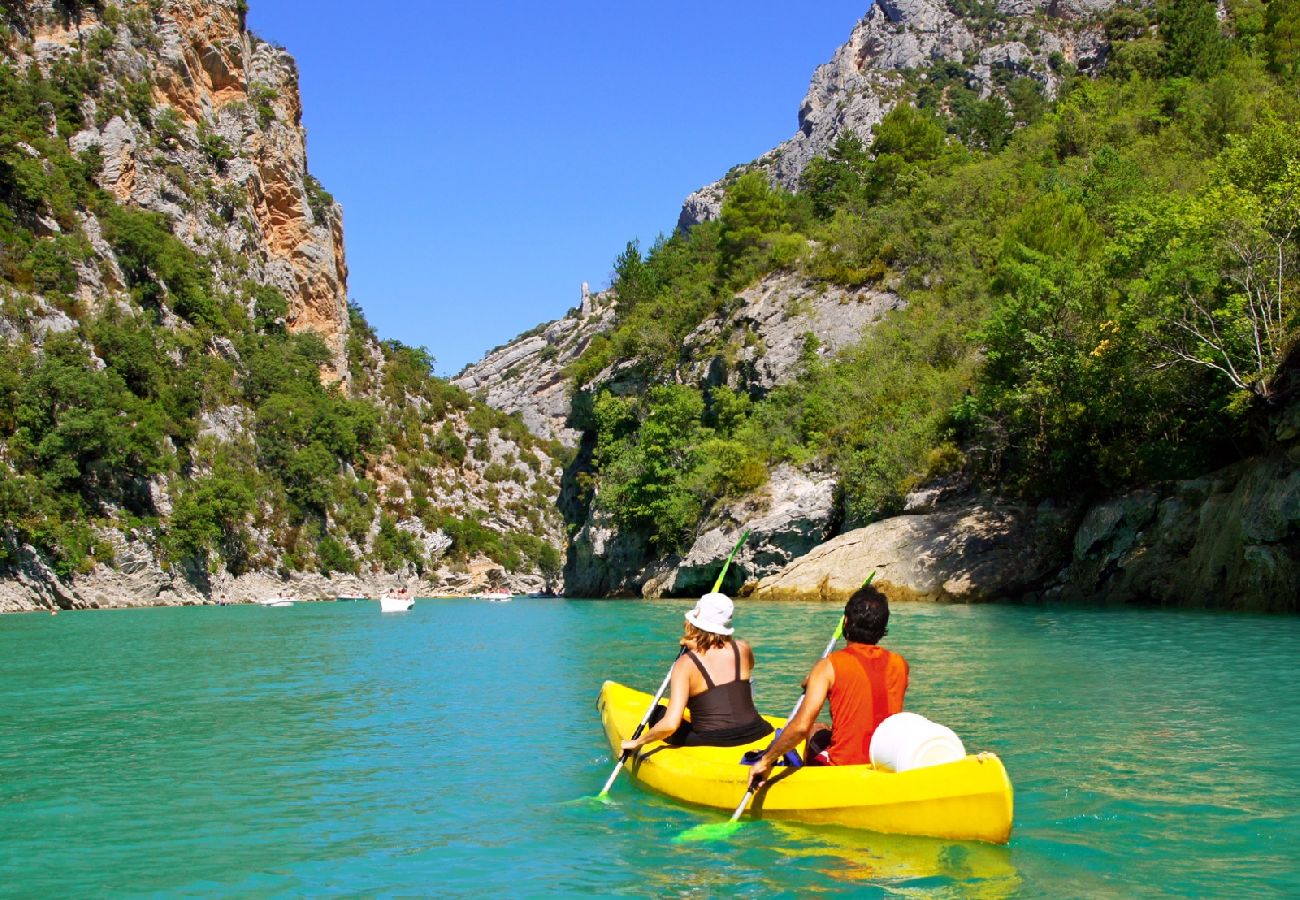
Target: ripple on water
328,749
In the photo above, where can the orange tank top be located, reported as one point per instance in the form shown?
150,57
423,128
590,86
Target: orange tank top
870,682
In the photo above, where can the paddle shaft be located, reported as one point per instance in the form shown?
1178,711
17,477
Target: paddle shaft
717,585
622,759
740,810
839,629
641,727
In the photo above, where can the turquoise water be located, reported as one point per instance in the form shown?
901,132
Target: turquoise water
329,749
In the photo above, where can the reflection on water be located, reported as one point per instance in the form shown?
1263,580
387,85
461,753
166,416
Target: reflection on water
329,749
967,869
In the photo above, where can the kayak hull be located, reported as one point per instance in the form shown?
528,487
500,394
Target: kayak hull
970,799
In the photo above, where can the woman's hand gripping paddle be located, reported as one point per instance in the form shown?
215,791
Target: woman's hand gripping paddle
623,757
712,831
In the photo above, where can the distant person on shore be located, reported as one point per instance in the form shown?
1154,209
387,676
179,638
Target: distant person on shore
711,679
865,683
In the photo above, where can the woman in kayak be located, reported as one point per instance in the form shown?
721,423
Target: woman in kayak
711,679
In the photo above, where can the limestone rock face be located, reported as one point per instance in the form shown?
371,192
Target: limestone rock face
974,552
223,86
789,516
604,561
760,343
527,375
786,518
199,121
1230,539
861,82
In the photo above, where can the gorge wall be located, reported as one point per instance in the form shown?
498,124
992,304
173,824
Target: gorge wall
195,411
1227,537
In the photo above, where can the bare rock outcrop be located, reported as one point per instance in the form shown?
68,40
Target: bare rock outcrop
790,515
863,80
1231,539
233,140
975,552
760,342
527,375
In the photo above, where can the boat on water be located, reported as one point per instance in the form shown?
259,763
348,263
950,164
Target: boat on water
399,600
278,601
496,596
970,799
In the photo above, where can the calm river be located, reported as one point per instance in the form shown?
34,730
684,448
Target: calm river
329,749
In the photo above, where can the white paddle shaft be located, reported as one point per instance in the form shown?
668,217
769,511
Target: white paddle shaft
646,718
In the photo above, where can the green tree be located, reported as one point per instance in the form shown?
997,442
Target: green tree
1282,36
1193,44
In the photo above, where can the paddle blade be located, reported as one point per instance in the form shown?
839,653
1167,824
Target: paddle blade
709,831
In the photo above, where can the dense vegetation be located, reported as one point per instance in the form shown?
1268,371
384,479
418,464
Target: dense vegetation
1100,289
183,411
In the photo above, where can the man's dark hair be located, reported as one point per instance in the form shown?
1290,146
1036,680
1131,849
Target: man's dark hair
866,616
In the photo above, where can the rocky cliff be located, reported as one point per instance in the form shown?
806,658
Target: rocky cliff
212,138
1225,538
192,408
1228,539
900,43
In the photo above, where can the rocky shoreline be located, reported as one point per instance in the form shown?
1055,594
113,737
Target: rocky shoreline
31,586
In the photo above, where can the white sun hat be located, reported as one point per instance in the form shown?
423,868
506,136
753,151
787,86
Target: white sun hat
712,613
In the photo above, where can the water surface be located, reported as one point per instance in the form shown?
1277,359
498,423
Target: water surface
329,749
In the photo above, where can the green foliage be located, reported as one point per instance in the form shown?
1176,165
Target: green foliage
139,99
1088,305
1193,46
758,230
158,266
262,96
319,200
167,127
269,308
334,557
79,429
1282,37
212,513
214,147
395,548
227,404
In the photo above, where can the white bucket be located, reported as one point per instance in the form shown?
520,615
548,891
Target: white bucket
907,741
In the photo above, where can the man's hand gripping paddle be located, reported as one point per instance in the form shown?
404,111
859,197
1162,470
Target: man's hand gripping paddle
623,758
712,831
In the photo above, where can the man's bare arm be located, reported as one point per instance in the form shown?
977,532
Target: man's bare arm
797,729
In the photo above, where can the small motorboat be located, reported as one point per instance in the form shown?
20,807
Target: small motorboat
496,596
399,600
278,601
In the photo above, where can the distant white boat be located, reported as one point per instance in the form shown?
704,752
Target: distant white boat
396,602
279,601
498,596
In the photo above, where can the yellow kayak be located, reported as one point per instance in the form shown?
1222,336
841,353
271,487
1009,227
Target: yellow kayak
965,800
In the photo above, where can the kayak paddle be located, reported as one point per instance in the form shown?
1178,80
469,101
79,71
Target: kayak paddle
618,767
622,759
717,585
710,831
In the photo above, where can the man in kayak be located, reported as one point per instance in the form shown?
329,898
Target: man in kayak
711,679
865,684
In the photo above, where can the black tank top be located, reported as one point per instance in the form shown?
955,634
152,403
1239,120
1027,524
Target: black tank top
725,709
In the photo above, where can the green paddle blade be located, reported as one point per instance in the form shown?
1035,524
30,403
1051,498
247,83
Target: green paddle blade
709,831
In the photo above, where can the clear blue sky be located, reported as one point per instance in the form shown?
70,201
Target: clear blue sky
490,157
